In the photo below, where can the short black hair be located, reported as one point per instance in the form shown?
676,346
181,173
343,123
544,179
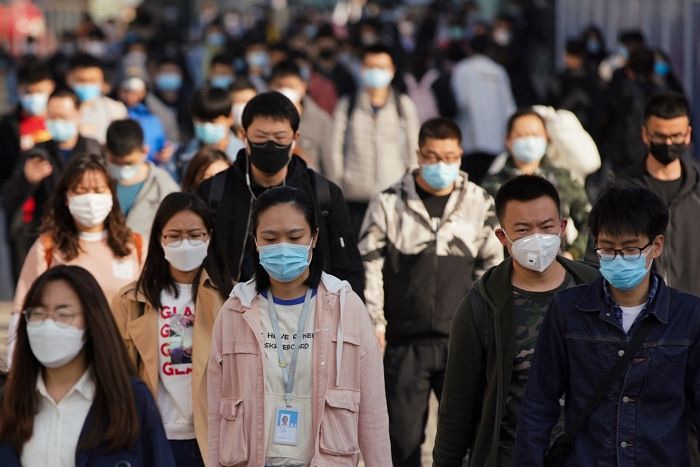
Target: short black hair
481,43
523,112
210,103
272,105
633,37
439,128
525,188
377,49
284,69
33,70
222,58
667,106
575,48
241,83
296,199
85,61
626,209
66,92
641,62
124,137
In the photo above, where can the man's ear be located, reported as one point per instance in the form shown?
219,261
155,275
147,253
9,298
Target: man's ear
658,243
501,235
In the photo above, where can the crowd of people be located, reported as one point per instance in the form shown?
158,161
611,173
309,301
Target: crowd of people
269,243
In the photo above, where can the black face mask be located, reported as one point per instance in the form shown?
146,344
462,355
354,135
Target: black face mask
269,157
326,54
667,153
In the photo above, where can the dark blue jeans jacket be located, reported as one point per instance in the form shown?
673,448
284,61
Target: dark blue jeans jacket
643,420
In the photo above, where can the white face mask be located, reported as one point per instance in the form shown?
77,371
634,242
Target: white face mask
291,94
54,345
536,252
186,256
237,113
90,209
123,173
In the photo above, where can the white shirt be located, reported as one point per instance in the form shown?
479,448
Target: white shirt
175,326
57,427
484,103
288,312
629,315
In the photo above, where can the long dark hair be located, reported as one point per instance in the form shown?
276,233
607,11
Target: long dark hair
296,199
198,165
58,221
114,420
155,276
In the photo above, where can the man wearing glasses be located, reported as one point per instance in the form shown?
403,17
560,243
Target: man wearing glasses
667,171
642,417
423,242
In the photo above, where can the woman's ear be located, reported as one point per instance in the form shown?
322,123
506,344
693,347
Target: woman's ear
314,239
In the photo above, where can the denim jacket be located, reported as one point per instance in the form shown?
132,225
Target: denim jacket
643,420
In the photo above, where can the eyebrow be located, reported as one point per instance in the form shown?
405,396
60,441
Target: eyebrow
291,231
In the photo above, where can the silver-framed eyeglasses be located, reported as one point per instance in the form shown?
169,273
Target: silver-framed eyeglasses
194,238
62,316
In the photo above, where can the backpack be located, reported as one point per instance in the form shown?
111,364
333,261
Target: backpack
48,244
321,185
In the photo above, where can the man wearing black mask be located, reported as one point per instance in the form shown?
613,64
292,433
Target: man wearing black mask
667,172
270,124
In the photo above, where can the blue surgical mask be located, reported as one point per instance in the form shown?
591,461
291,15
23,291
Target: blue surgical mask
529,148
257,59
62,130
34,103
661,68
221,81
593,46
88,91
623,274
285,262
216,39
210,133
168,81
440,175
375,78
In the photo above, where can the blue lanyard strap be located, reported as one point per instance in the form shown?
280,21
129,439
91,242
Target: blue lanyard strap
289,368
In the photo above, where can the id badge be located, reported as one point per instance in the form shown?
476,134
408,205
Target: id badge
286,426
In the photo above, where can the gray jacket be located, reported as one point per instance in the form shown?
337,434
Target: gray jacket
157,186
373,148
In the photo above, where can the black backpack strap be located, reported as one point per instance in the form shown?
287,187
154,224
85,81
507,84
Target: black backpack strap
216,191
557,454
322,188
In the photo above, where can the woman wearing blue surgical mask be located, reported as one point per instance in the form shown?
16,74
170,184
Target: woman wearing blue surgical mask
664,74
527,144
166,317
72,397
295,374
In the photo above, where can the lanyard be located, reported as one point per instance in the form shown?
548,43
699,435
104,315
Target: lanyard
288,370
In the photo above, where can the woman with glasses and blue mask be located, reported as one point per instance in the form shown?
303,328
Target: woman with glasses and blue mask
72,396
295,374
166,318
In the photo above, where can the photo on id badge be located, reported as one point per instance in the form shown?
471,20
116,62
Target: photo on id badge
180,340
286,423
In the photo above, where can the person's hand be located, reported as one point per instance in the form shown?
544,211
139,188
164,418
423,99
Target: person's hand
36,169
165,154
568,255
381,338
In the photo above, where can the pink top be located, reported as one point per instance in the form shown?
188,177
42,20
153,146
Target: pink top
111,273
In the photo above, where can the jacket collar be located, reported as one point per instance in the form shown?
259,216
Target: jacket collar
246,292
593,300
691,175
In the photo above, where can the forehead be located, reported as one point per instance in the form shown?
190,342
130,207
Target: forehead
87,71
222,67
282,218
532,212
91,178
667,126
266,124
184,220
58,292
243,96
61,104
378,60
286,81
528,123
446,145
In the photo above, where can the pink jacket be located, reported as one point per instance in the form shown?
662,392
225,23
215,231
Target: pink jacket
349,410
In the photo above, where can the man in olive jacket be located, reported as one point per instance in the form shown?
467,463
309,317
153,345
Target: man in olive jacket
495,329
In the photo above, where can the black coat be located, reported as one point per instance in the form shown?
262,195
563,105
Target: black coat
336,241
